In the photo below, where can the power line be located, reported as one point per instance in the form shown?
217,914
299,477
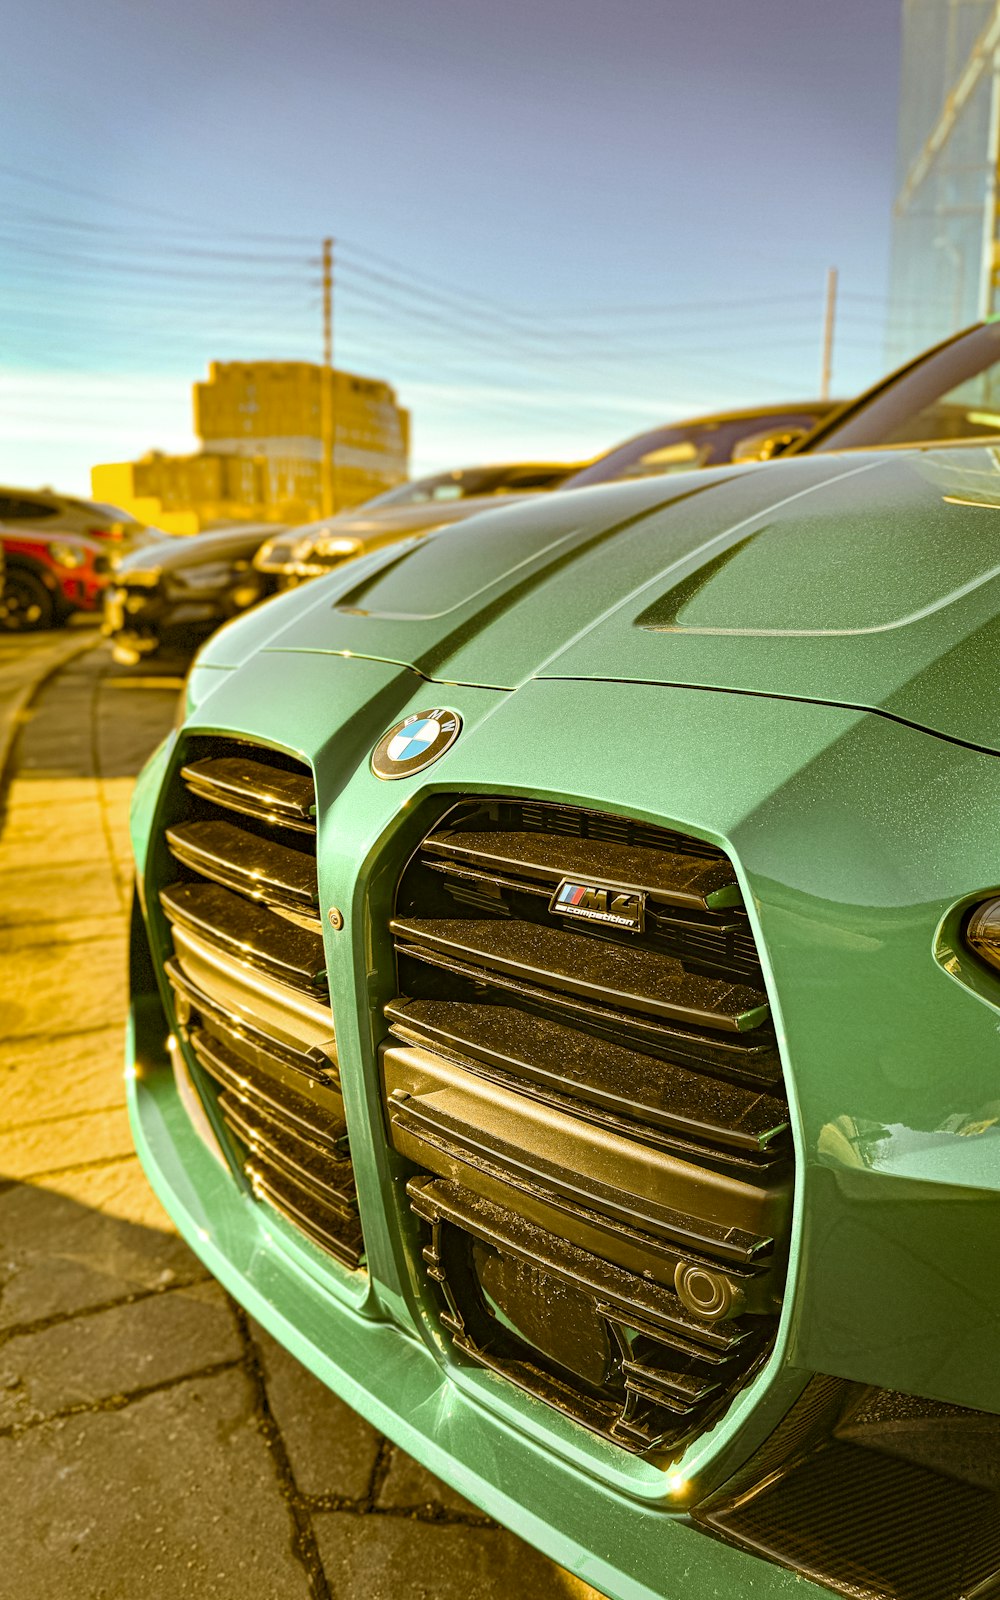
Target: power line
136,207
155,244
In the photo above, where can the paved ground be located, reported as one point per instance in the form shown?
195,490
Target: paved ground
154,1443
24,661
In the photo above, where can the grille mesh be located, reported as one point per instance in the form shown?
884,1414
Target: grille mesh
250,991
594,1109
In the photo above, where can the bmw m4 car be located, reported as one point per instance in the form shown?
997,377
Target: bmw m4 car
566,1012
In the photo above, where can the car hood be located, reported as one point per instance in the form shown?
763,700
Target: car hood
11,535
869,580
173,551
380,520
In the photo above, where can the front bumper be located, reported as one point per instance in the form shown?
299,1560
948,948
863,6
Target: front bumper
889,1061
394,1381
142,618
81,589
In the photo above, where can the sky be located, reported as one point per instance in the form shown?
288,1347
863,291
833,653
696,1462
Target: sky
557,222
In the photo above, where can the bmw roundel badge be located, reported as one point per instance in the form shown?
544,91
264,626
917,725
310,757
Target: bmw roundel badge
412,745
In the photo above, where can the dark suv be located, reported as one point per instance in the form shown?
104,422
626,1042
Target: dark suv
179,589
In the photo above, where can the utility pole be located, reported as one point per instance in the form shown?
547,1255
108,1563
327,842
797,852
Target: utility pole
327,407
991,207
829,319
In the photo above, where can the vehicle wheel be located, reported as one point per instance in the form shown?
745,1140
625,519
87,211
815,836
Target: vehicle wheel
25,603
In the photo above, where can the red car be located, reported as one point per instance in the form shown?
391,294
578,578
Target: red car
48,577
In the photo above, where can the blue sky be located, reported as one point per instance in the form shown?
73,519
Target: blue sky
556,223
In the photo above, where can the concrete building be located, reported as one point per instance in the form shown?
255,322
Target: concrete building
260,425
946,253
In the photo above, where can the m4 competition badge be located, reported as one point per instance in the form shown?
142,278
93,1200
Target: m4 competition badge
618,908
412,745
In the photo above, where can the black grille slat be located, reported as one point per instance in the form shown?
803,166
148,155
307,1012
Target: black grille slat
655,1307
250,932
672,879
263,869
250,1044
744,1057
255,788
640,1087
742,1060
248,974
551,958
606,1206
701,939
594,1085
682,1386
270,1140
297,1205
576,822
314,1117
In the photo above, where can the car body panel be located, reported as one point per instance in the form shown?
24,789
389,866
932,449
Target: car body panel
46,513
183,586
172,552
393,516
375,522
855,837
844,938
73,588
705,441
766,809
637,583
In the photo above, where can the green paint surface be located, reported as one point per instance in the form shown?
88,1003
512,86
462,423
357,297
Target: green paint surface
784,662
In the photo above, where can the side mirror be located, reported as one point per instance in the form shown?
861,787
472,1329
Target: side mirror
765,446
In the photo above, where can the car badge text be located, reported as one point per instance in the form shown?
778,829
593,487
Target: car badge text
413,744
618,908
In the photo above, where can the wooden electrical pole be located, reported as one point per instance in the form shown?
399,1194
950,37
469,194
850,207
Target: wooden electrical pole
328,413
826,370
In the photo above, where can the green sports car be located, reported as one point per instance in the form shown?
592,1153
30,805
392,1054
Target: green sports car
566,1013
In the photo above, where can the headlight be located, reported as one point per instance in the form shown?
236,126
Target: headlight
308,556
327,549
67,555
982,931
313,557
207,575
274,554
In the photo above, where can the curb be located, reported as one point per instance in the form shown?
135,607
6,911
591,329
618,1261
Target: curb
44,667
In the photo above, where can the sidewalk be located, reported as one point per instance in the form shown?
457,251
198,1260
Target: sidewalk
26,659
154,1443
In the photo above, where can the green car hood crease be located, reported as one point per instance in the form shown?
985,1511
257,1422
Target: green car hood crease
865,580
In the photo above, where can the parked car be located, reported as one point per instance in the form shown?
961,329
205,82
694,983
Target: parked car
700,441
46,512
412,508
565,1011
177,590
948,393
48,577
708,441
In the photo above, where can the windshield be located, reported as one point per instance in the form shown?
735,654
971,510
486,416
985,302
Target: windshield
952,393
683,446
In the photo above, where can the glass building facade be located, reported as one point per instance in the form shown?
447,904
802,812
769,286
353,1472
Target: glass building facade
944,255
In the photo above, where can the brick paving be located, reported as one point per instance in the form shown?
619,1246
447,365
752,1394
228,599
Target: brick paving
154,1443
